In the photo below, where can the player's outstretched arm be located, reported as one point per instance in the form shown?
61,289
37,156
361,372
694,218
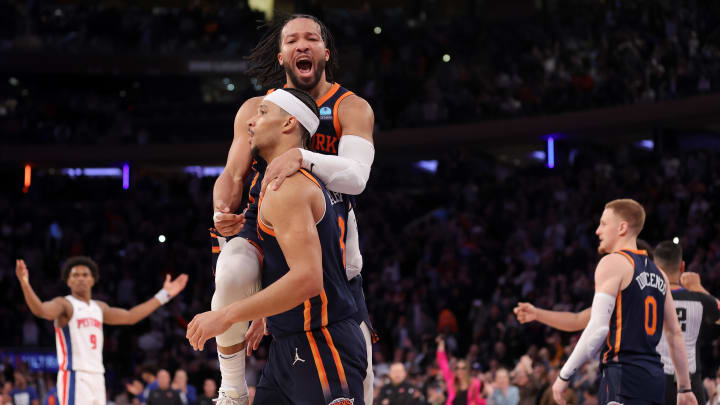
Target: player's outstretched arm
50,310
121,316
289,211
564,321
678,353
608,280
349,171
227,192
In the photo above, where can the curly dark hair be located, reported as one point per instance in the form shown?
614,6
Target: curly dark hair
79,261
263,64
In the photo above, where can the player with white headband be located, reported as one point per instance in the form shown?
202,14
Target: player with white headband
298,53
317,355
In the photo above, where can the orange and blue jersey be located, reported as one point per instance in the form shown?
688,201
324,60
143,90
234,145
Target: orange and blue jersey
318,351
636,327
336,302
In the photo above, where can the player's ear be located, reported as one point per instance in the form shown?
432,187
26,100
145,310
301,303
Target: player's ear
623,228
289,123
327,54
280,58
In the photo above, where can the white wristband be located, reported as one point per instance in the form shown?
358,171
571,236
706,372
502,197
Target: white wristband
215,216
163,296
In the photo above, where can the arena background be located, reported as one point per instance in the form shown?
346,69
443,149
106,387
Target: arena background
502,128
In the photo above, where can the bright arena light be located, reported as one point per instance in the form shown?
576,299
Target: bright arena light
676,240
446,58
230,87
162,238
377,30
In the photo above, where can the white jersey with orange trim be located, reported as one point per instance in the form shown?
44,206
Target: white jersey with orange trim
80,343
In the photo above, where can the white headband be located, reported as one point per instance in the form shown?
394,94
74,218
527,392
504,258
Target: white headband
293,106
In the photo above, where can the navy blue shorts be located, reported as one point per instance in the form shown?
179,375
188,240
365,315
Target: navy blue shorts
362,314
617,381
325,366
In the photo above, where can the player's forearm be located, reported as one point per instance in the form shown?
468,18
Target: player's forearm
349,171
565,321
142,311
289,291
34,302
227,192
678,354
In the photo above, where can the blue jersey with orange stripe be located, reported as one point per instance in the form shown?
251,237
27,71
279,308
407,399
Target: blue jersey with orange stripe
325,141
636,326
336,302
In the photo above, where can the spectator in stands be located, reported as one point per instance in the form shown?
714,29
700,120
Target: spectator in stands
502,393
164,394
188,393
461,387
209,392
22,393
399,391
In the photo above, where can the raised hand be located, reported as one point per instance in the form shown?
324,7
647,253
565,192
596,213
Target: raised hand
525,312
21,271
175,286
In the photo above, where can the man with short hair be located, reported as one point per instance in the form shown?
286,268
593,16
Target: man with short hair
78,321
209,392
164,394
22,393
399,391
630,312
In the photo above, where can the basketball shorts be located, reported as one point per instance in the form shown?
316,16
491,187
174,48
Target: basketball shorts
324,366
80,388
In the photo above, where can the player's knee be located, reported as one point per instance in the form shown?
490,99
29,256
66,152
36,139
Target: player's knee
238,273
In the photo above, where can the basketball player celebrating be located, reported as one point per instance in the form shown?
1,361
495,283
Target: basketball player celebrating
630,312
78,326
299,52
318,351
694,306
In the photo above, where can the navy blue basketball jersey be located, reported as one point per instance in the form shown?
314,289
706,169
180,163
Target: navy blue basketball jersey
636,324
336,302
328,134
325,140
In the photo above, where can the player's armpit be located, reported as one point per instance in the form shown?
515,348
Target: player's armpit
56,308
356,117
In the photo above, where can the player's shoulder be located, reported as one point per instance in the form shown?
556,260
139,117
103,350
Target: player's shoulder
297,187
354,102
616,260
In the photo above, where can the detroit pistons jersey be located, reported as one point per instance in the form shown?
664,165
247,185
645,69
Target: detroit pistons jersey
637,321
336,302
79,343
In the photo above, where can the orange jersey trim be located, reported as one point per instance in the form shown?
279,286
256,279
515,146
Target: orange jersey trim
265,228
637,252
310,176
627,256
319,365
307,315
336,358
618,332
216,249
327,95
252,184
324,308
336,118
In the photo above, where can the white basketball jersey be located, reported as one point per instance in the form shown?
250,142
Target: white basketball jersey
80,343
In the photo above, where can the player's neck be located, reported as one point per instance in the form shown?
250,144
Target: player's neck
626,244
318,91
82,297
269,155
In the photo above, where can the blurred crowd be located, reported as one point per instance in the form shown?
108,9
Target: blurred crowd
415,68
447,254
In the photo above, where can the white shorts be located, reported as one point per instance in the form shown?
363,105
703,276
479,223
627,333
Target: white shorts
80,388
